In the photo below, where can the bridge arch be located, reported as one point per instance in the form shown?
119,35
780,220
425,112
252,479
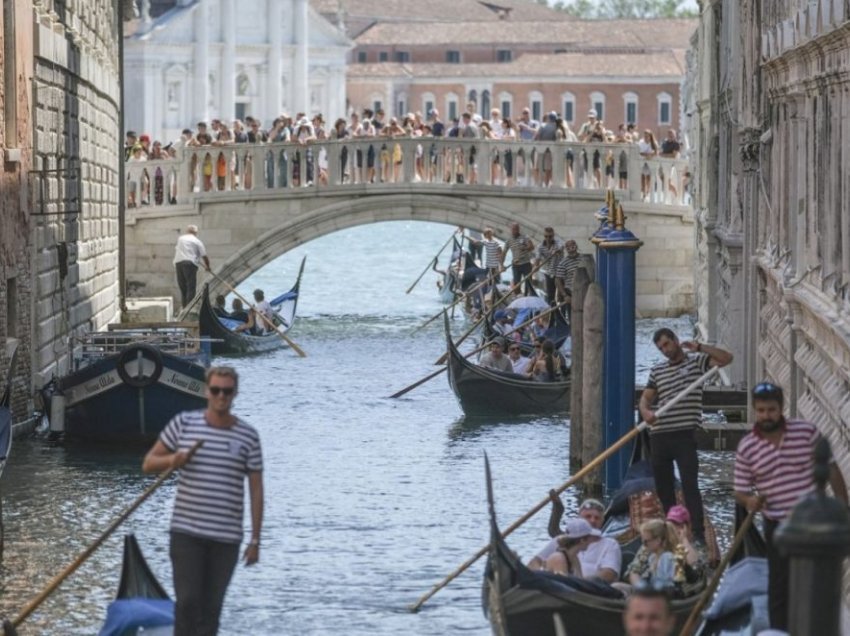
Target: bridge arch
340,215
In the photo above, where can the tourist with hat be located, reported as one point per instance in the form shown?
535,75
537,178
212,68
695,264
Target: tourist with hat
680,518
577,536
502,322
495,358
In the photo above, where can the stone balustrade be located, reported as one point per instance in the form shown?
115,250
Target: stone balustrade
204,172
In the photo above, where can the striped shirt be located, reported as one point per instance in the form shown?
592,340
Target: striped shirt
544,252
521,247
492,254
211,486
782,474
669,380
566,269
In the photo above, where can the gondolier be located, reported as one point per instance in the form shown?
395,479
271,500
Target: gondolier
547,253
206,526
522,251
188,253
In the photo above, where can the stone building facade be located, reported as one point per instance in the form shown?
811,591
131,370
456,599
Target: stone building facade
59,219
772,124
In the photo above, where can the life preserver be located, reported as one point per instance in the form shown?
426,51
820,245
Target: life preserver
135,355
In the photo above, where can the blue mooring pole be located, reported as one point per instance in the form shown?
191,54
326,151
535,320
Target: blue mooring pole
618,248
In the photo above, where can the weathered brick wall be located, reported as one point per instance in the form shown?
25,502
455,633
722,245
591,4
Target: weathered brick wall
76,96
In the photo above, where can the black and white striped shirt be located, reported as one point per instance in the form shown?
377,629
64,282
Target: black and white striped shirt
669,380
544,252
566,269
521,249
492,254
211,486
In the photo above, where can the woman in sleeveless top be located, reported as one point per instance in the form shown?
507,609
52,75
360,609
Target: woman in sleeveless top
545,366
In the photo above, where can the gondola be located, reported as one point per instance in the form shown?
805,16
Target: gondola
483,391
141,602
470,274
558,331
6,418
518,601
227,341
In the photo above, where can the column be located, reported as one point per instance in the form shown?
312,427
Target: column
228,61
274,105
201,61
301,84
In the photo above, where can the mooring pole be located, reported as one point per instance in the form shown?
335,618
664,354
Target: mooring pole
618,250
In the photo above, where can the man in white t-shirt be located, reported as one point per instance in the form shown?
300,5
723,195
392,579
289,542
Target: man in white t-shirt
602,559
188,252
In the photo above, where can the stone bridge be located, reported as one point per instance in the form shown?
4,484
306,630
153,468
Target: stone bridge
254,202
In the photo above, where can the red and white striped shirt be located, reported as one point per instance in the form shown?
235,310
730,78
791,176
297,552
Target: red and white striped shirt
782,474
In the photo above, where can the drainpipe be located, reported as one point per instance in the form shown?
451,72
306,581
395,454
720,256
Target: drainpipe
792,362
122,271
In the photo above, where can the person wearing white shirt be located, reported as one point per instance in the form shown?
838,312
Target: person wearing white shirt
519,361
188,252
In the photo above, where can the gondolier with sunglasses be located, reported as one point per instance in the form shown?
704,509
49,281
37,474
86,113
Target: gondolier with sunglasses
672,438
206,525
774,469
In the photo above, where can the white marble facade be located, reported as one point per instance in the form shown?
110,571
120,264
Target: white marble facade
227,59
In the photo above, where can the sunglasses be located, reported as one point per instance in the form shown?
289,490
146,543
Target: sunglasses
513,348
767,390
225,390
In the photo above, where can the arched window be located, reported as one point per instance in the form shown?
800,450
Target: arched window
665,109
568,101
428,103
377,102
630,107
535,103
506,102
401,104
485,104
597,102
452,101
472,97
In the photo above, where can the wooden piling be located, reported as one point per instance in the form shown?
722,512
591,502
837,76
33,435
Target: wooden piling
580,283
593,364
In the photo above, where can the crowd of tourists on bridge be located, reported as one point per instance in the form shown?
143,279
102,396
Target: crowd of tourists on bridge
597,167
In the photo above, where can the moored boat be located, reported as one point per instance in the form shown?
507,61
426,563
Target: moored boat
128,383
483,391
141,603
6,421
227,341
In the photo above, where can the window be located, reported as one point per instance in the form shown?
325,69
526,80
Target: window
535,101
503,55
597,102
428,101
377,105
665,109
506,101
383,56
569,111
485,104
451,106
453,57
401,105
402,57
630,107
361,57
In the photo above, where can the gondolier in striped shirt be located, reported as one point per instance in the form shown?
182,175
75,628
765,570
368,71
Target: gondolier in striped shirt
565,271
206,525
774,469
522,251
548,255
493,255
672,438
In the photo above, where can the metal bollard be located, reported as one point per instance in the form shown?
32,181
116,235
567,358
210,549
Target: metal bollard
816,537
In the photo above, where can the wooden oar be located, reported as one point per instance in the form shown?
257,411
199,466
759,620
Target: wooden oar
691,623
571,481
427,267
430,376
64,574
460,297
265,318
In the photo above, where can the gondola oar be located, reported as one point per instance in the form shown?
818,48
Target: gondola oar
625,439
70,569
460,297
430,376
430,263
271,325
693,617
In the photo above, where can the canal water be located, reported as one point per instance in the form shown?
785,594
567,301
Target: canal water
369,501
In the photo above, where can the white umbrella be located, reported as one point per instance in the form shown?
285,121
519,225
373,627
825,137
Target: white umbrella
529,302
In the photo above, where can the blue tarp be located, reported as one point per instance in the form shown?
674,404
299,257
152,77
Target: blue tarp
126,616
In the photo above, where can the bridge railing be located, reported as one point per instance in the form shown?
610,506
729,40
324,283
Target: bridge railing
207,171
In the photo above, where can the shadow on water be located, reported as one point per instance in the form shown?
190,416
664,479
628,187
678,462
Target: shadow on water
466,427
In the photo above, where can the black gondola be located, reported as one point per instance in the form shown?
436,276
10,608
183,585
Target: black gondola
520,601
483,391
226,341
141,601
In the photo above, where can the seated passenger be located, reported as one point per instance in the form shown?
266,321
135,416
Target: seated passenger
690,553
519,361
239,313
602,559
545,368
262,323
495,358
220,307
578,536
502,323
656,563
